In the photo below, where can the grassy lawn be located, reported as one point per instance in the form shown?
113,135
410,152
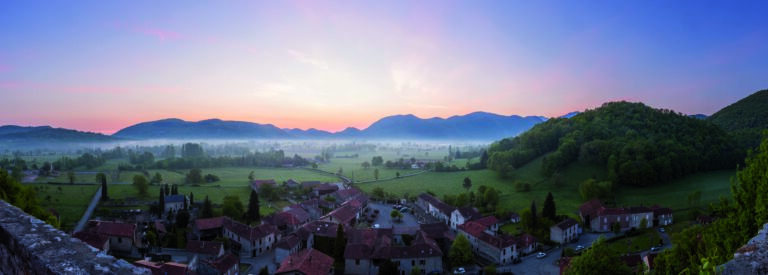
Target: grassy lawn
80,177
675,193
353,166
72,200
640,242
512,228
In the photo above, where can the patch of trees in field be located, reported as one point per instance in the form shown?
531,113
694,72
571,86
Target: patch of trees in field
638,145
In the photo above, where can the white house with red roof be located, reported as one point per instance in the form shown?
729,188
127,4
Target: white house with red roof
121,235
306,262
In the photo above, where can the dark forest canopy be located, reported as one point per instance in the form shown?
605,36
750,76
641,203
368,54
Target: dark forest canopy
638,145
745,120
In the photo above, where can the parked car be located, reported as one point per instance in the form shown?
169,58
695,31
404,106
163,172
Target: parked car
578,248
655,248
459,270
404,210
661,230
541,255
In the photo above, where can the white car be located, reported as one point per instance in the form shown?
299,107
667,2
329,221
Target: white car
661,230
376,225
541,255
459,270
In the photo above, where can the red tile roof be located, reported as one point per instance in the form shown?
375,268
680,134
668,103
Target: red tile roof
469,213
440,205
526,240
224,263
321,228
568,223
203,247
326,187
478,231
164,268
247,232
435,230
116,229
344,214
488,221
160,227
590,208
658,210
288,242
347,194
211,223
307,261
92,239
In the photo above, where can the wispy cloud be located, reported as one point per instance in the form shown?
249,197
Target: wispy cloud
308,59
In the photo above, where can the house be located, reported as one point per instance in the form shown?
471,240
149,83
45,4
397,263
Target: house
160,268
346,215
434,207
289,220
97,241
564,231
121,235
345,195
500,249
175,202
367,248
308,232
201,250
601,219
252,241
509,217
490,223
256,185
462,215
292,184
324,189
160,228
526,243
310,184
306,262
439,232
228,264
286,246
209,228
662,216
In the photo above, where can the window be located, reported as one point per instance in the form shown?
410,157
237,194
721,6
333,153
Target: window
260,241
606,219
357,262
413,262
422,262
119,240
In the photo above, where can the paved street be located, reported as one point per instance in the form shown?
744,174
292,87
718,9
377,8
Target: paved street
384,220
89,211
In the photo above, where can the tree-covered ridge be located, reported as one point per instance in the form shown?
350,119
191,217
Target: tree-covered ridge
745,120
639,145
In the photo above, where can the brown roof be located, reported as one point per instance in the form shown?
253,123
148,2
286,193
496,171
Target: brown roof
116,229
258,183
321,228
326,187
568,223
658,210
202,247
590,208
422,247
435,230
211,223
224,263
477,230
247,232
288,242
164,268
347,194
92,239
525,240
307,261
440,205
488,221
344,214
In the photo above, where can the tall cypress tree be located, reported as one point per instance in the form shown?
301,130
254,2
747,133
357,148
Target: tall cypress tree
175,190
167,191
162,203
340,245
207,211
550,209
253,206
191,199
104,193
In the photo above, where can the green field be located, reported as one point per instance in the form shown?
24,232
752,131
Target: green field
72,200
671,194
353,169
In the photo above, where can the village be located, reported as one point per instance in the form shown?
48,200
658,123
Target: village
377,237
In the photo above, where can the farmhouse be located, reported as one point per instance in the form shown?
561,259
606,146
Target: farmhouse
120,235
434,207
287,245
499,249
462,215
601,219
564,231
253,241
367,248
97,241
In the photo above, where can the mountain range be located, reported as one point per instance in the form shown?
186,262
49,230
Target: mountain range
474,126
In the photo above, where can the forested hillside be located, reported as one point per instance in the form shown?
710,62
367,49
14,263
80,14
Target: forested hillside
745,120
639,145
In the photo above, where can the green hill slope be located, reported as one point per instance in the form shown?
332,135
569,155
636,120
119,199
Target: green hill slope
745,120
637,144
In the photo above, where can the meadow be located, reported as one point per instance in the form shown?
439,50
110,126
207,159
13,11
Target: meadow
71,201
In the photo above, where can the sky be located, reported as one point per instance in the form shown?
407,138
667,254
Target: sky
104,65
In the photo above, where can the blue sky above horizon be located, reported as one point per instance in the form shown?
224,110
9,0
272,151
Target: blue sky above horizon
103,65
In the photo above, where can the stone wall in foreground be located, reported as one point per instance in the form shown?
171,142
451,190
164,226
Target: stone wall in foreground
751,258
29,246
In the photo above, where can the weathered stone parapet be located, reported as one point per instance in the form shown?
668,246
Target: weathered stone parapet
751,258
29,246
